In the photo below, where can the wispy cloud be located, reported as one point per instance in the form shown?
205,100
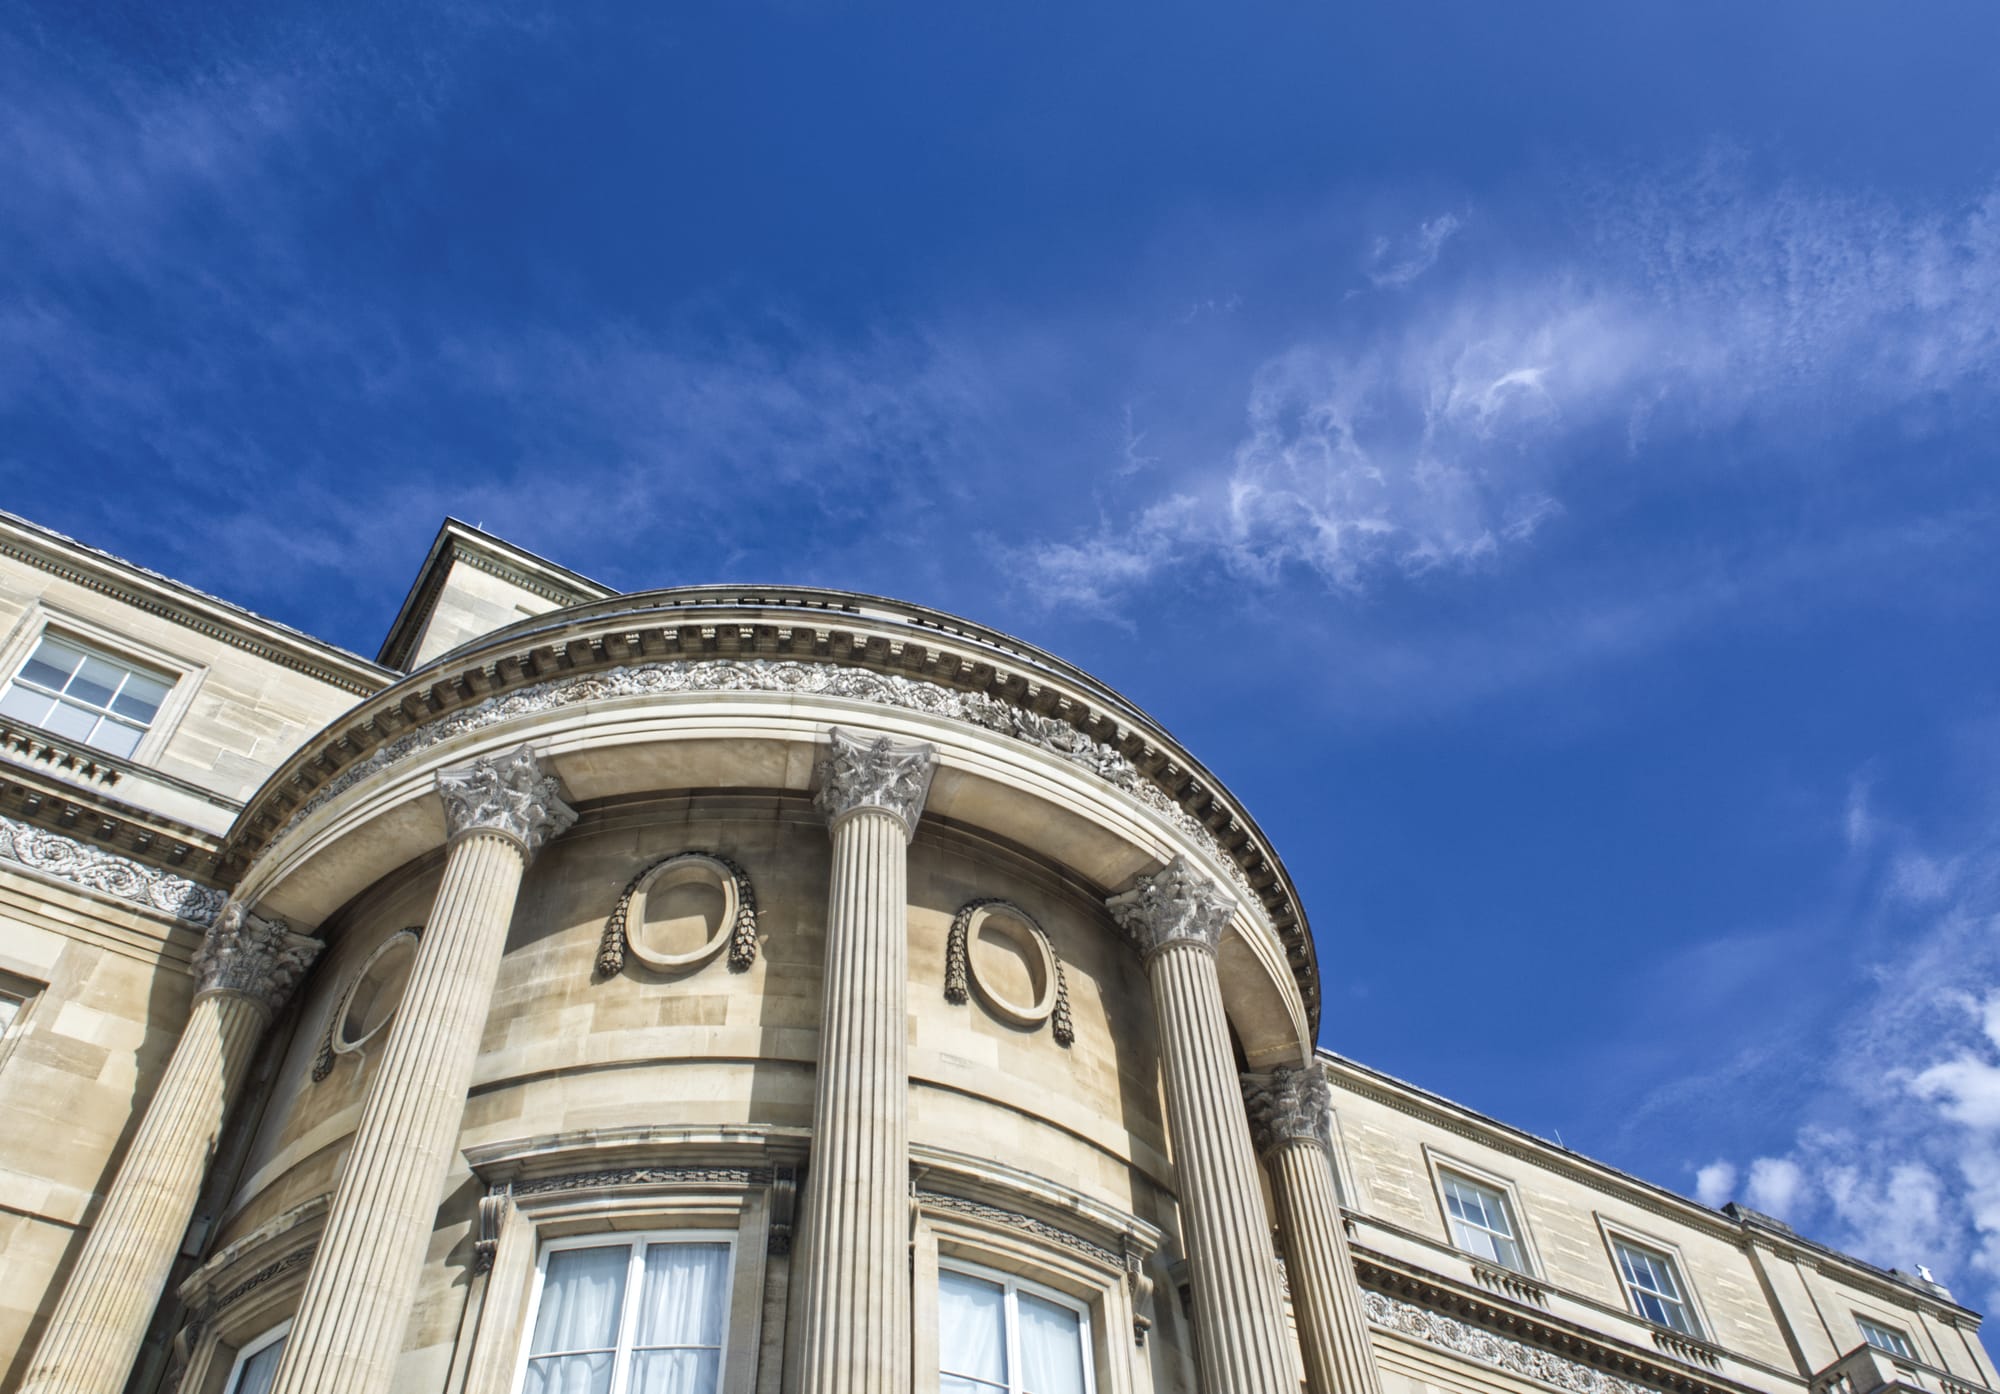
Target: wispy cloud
1395,262
1451,432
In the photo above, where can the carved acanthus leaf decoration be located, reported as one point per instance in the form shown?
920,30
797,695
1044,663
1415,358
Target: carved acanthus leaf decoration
861,771
1175,905
252,957
1288,1106
52,854
508,793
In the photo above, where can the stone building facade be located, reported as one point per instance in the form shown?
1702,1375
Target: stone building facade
746,992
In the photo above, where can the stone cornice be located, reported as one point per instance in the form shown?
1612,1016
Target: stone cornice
44,798
457,542
182,604
920,656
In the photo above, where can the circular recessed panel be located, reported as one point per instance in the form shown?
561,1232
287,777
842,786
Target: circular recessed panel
682,914
1010,965
375,993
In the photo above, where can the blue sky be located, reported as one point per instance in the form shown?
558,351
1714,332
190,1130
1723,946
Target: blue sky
1541,457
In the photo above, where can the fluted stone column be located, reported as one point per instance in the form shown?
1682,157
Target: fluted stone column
362,1285
854,1328
246,969
1178,916
1290,1123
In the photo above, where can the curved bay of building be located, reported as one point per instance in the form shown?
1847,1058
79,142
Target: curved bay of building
785,990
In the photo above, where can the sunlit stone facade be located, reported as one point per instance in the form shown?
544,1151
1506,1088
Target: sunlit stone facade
776,992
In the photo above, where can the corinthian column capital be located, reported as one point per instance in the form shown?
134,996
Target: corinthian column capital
1175,905
252,957
1288,1106
859,772
510,794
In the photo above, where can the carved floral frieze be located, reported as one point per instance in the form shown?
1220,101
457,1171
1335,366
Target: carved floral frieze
1046,733
108,873
1501,1352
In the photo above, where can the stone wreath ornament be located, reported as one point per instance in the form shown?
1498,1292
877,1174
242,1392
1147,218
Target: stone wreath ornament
334,1042
961,976
738,927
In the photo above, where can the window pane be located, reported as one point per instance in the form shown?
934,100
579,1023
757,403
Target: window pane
140,698
256,1373
675,1372
95,682
582,1292
10,1007
972,1338
1051,1347
75,722
1886,1338
957,1384
568,1374
116,738
52,664
23,705
683,1300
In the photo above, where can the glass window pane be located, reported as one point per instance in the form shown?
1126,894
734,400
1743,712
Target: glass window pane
569,1374
958,1384
96,681
10,1007
23,705
256,1373
1051,1347
140,698
972,1337
53,662
582,1293
116,737
682,1302
74,722
675,1372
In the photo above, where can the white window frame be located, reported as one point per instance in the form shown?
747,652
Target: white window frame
1442,1166
1490,1198
182,675
635,1241
1617,1239
250,1349
1014,1284
1902,1347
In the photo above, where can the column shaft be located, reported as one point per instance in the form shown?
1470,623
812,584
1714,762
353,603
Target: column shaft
1326,1302
1238,1306
100,1322
358,1297
855,1324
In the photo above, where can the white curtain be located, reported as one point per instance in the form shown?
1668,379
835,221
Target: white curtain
683,1306
972,1334
576,1325
256,1373
1051,1347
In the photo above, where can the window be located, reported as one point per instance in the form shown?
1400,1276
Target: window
1655,1287
1886,1338
69,690
1481,1223
644,1315
999,1335
10,1007
257,1363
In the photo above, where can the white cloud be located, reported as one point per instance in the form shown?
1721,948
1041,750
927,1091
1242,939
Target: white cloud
1776,1185
1397,263
1715,1184
1446,433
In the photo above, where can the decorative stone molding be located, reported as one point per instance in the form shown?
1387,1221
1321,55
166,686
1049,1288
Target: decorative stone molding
644,1176
738,927
332,1044
879,772
493,1209
1027,1224
784,1210
1046,733
1175,905
1288,1105
1501,1352
109,874
252,957
961,975
509,794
